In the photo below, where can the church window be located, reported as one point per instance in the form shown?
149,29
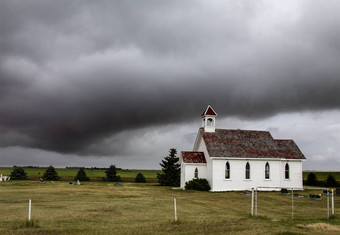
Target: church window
196,173
247,171
227,170
210,122
266,173
286,171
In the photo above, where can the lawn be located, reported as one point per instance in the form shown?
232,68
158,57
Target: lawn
105,208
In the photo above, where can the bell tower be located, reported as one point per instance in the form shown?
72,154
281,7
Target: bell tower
209,119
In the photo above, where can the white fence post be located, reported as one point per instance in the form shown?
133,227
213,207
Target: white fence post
175,209
292,204
29,210
332,202
256,202
252,202
328,203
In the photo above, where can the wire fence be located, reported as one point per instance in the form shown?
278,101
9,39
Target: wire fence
319,205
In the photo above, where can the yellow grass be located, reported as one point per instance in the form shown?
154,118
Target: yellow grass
105,208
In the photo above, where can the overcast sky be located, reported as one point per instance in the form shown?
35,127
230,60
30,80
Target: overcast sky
94,83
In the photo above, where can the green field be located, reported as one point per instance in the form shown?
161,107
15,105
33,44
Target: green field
105,208
95,175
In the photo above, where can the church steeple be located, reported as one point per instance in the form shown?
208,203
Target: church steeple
208,119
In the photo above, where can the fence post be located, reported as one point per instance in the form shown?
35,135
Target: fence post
328,203
332,202
175,209
29,210
256,202
292,204
252,202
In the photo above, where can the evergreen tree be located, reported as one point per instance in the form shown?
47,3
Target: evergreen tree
50,174
140,178
18,173
171,170
111,174
81,175
331,181
311,179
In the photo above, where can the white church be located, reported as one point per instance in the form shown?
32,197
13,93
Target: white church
234,160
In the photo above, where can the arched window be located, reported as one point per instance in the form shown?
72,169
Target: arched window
286,171
196,173
247,171
227,170
210,122
266,171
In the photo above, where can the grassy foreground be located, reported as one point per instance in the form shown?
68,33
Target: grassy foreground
105,208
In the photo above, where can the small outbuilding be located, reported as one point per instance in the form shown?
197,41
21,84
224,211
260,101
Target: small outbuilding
241,159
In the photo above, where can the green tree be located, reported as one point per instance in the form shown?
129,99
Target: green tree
140,178
81,175
50,174
111,174
18,173
171,170
331,181
311,179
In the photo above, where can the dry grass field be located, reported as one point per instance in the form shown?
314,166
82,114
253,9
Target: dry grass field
105,208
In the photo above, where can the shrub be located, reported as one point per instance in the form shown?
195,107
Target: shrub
111,174
81,175
198,184
171,170
140,178
50,174
18,173
311,179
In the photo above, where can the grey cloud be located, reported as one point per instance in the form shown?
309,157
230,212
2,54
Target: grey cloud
73,73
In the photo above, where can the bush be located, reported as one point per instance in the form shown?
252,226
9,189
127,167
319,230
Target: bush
312,180
140,178
51,174
81,175
18,173
198,184
111,174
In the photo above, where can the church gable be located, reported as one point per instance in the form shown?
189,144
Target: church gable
209,112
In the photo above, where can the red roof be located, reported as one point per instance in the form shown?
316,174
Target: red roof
249,144
289,149
193,157
209,111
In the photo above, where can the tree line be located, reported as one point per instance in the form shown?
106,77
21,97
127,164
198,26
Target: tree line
313,181
51,174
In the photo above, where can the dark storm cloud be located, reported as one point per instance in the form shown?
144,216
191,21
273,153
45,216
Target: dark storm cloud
73,73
